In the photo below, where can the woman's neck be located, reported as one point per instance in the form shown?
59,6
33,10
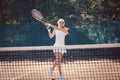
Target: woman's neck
60,26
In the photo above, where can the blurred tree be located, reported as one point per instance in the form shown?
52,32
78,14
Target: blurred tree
16,12
111,9
97,20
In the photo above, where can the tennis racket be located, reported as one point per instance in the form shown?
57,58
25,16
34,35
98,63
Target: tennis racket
37,15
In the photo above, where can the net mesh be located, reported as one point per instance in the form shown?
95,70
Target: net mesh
81,62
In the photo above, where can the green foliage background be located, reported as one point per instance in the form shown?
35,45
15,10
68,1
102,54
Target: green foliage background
89,21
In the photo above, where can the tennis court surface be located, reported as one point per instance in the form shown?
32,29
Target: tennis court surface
81,62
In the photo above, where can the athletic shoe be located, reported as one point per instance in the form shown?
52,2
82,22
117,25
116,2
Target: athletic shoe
61,77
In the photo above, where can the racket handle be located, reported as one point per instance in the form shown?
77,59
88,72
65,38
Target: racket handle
41,21
49,24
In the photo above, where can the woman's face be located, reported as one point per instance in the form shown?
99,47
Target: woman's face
61,24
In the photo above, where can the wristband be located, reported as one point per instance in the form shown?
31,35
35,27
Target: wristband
49,30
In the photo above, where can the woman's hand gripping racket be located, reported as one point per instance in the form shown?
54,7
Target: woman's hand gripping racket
38,16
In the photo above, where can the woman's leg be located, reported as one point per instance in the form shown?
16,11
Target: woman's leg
55,62
60,55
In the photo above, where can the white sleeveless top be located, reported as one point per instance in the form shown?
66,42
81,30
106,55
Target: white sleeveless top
59,38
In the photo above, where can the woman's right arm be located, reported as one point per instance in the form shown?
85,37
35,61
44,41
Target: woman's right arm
51,35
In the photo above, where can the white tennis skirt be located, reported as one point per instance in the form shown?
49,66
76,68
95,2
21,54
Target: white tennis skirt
60,50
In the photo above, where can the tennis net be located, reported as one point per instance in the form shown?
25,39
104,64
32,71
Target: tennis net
81,62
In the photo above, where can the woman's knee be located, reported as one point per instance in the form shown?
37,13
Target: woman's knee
58,61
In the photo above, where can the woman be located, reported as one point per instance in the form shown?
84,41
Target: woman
59,32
